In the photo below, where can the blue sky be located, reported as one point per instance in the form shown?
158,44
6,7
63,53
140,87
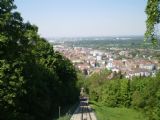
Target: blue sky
72,18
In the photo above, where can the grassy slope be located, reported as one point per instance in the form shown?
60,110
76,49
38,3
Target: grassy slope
107,113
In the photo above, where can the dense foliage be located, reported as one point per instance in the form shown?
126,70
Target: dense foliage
140,93
34,79
153,19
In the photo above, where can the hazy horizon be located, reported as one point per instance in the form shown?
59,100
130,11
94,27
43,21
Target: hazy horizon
111,36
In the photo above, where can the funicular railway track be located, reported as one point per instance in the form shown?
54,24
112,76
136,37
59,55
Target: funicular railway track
85,109
86,114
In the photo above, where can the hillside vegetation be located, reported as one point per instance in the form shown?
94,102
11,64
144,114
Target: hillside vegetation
141,93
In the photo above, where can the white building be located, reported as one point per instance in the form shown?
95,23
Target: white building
147,66
109,65
99,57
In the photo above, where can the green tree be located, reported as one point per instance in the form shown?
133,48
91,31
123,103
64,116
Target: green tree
34,79
153,19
